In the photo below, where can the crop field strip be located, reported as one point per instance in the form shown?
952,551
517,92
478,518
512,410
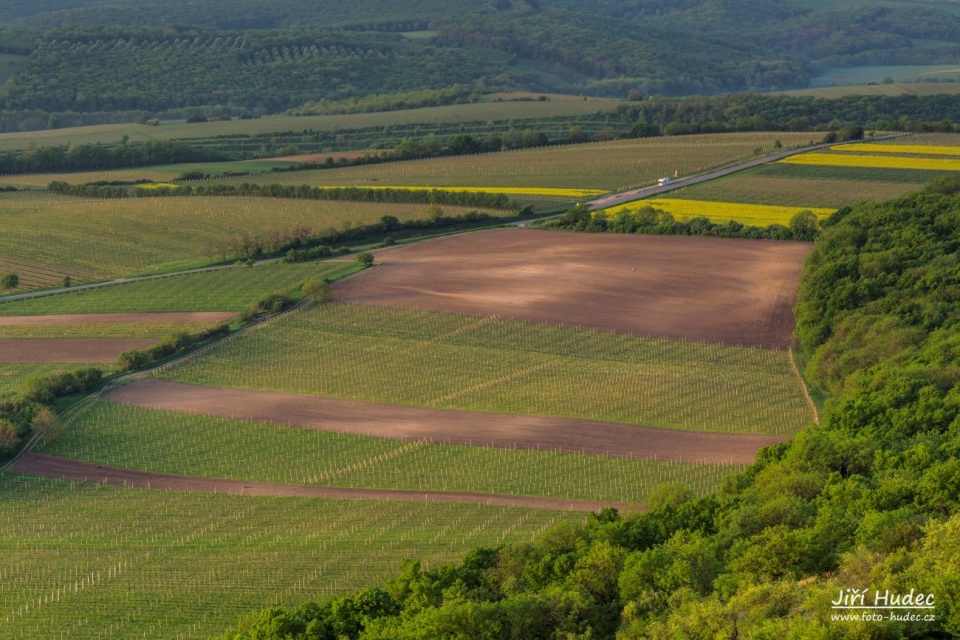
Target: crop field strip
494,365
759,215
806,186
34,274
928,139
121,237
194,132
885,161
158,173
57,468
172,564
204,446
232,289
897,89
94,330
96,350
900,149
610,166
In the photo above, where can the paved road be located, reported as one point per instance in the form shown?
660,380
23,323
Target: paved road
646,192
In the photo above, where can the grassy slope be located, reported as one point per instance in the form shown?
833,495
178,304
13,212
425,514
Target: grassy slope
367,353
101,562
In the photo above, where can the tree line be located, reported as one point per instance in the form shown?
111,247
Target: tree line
94,157
301,192
868,499
803,226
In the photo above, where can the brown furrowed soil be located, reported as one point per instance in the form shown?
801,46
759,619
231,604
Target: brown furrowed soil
444,425
711,289
47,466
68,350
119,318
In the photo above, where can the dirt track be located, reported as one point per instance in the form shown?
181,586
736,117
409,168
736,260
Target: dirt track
444,425
119,318
68,350
711,289
38,464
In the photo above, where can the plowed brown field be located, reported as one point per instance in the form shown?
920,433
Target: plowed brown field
710,289
68,350
444,425
119,318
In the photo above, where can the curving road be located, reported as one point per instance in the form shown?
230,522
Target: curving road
645,192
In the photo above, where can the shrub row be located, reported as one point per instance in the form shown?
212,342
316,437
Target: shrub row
178,342
302,192
804,226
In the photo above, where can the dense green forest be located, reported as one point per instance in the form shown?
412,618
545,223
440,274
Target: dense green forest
244,56
866,500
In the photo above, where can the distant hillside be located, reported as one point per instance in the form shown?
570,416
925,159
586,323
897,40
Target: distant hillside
125,60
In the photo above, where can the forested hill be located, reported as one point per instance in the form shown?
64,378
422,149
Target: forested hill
867,500
258,57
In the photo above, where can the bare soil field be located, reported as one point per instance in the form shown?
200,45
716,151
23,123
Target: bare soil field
119,318
67,350
445,425
54,467
722,290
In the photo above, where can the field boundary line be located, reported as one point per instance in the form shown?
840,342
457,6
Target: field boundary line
56,467
482,386
803,386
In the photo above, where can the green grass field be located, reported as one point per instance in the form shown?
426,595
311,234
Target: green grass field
612,166
192,445
231,289
482,111
807,186
82,238
94,330
463,362
90,561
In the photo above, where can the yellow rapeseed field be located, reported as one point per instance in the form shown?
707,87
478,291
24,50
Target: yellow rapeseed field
510,191
158,185
918,149
759,215
874,162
